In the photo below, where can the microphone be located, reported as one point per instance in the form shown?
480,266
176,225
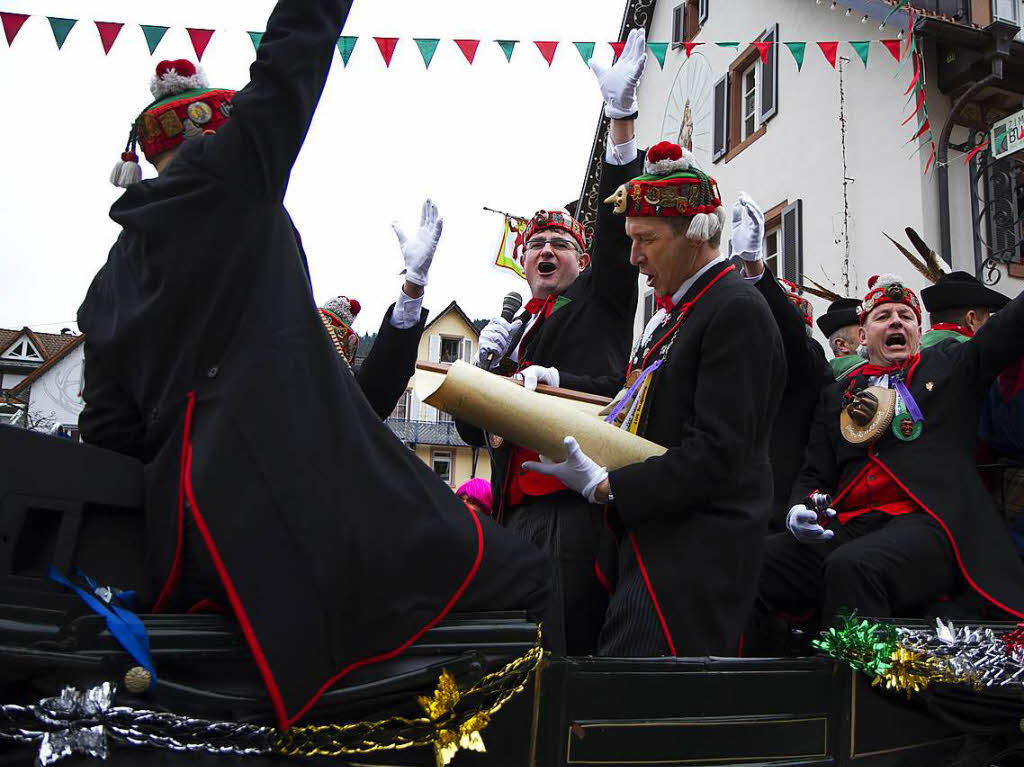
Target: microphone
510,304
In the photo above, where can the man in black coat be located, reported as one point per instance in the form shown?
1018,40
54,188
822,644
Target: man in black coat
840,326
266,471
705,381
575,332
911,516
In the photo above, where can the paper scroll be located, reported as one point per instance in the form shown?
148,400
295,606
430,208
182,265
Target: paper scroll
536,421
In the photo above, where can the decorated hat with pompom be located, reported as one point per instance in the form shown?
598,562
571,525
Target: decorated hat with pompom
341,313
887,289
802,305
673,185
184,107
551,219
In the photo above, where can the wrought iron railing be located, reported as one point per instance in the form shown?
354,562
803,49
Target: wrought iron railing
997,212
426,432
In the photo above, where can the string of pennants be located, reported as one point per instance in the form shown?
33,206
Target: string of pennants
427,46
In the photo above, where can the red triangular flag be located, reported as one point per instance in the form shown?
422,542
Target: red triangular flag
920,101
910,27
763,47
468,48
917,76
893,46
109,31
689,48
829,49
931,157
12,24
200,39
980,148
547,49
387,47
926,125
617,49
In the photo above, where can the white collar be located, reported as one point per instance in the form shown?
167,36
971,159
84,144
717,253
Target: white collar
690,281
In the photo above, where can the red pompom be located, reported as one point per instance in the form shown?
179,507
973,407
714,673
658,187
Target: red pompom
702,208
664,150
129,157
872,280
183,67
354,306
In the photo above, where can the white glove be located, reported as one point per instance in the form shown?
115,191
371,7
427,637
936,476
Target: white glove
419,251
535,374
619,82
494,338
747,229
803,523
577,471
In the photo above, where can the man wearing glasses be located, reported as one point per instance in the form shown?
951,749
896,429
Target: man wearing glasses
576,332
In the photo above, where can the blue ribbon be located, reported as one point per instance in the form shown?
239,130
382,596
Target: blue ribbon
610,418
908,400
123,624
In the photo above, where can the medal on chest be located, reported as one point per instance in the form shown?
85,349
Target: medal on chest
908,422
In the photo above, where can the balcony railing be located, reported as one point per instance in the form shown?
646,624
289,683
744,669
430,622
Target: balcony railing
958,10
426,432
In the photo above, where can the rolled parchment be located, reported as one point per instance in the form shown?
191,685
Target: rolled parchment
536,421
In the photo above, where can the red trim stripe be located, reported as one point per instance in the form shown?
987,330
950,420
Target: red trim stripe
654,599
602,578
952,541
174,575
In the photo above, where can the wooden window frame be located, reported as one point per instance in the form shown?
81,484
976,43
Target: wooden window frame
691,21
773,221
734,96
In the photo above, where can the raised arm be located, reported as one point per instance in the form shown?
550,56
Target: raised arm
270,116
998,345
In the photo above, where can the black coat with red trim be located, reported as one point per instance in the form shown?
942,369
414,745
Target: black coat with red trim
206,357
385,372
699,512
589,337
937,469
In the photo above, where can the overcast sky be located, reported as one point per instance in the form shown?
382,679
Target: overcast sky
513,136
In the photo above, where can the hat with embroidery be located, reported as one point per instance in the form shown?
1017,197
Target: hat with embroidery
551,219
802,305
887,289
673,185
184,106
341,312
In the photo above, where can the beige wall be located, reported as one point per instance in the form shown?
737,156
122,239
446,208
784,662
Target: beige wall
463,458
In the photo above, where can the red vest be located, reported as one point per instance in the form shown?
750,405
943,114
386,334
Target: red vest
874,490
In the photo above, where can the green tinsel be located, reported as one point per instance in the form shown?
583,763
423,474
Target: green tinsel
865,646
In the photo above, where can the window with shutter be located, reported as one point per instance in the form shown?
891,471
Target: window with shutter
793,242
770,76
434,349
467,350
703,12
721,117
677,24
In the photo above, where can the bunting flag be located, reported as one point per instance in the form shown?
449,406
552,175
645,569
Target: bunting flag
920,103
61,28
155,34
346,44
468,48
617,49
970,155
200,39
798,50
427,46
893,46
689,48
257,38
109,30
763,46
861,47
547,49
387,47
12,24
730,44
586,51
659,50
829,50
506,250
507,46
926,125
931,158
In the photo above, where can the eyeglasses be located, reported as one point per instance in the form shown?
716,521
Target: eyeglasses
560,245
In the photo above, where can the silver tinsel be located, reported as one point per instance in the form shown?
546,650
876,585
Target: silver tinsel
976,656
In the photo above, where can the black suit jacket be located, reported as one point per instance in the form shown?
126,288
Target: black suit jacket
384,374
937,469
590,337
698,513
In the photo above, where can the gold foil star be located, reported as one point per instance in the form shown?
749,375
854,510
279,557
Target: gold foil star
468,737
445,697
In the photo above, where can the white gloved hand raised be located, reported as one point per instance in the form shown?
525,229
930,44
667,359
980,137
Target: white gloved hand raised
495,337
577,471
747,229
618,83
535,374
418,252
803,524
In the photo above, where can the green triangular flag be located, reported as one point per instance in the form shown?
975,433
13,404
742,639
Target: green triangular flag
257,38
427,46
728,45
659,50
798,50
861,46
154,34
507,46
586,51
60,28
346,45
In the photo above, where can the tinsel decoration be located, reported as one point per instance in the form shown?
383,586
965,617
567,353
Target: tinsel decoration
87,723
1013,641
912,671
862,645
